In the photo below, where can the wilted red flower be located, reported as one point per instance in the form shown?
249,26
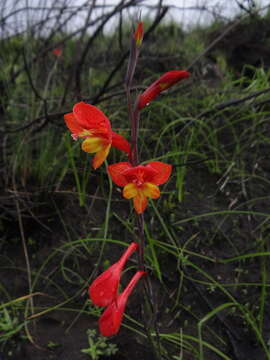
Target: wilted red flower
138,35
164,82
110,320
140,182
89,123
57,52
103,290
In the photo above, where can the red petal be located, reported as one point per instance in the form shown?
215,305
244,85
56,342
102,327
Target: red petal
116,172
164,82
128,290
140,202
129,251
90,117
172,77
147,96
120,142
111,319
163,172
100,156
72,124
139,173
103,290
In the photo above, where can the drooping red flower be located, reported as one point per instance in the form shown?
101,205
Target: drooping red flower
138,35
164,82
111,319
89,123
103,290
140,182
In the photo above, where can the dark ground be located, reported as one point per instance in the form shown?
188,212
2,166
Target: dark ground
48,231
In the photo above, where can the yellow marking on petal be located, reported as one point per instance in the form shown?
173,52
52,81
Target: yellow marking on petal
84,133
164,86
140,202
150,190
100,156
138,42
93,144
130,191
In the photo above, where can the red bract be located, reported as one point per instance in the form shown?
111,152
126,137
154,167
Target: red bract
110,320
138,35
164,82
140,182
103,290
89,123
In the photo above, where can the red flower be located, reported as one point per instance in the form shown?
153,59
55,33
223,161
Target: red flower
138,35
164,82
89,123
110,320
57,52
103,290
140,182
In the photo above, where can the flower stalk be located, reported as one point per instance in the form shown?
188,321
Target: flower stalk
139,182
103,291
134,118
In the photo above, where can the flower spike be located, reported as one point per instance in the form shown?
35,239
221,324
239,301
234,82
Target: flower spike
135,45
103,290
89,123
163,83
111,319
140,182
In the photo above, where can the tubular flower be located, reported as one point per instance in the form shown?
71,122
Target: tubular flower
140,182
164,82
103,290
89,123
110,320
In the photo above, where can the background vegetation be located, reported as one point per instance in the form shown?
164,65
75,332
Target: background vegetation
207,236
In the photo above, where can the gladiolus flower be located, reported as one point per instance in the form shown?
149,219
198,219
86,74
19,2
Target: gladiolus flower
111,319
138,35
89,123
140,182
164,82
103,290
